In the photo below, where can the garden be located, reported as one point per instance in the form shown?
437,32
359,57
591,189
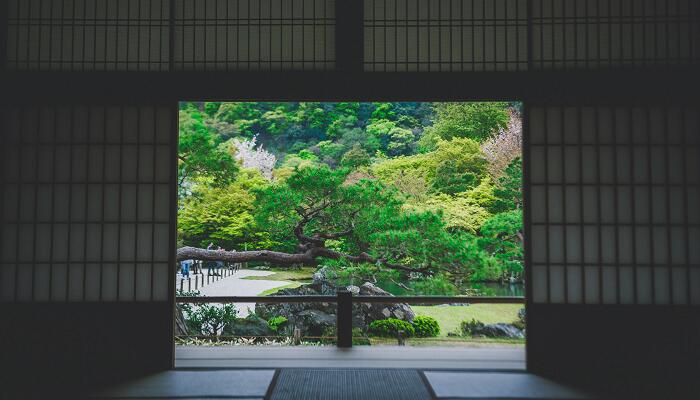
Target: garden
407,199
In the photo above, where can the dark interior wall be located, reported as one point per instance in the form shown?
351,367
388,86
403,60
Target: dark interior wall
640,352
51,346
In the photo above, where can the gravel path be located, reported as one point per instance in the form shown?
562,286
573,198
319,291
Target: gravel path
235,285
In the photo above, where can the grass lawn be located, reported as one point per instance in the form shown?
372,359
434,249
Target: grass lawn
449,317
450,342
280,274
275,290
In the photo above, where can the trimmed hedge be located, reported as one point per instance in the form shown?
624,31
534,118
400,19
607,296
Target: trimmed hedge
426,326
390,327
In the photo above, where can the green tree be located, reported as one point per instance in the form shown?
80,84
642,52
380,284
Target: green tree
383,111
509,189
400,141
458,165
474,120
355,157
222,215
316,213
202,154
502,237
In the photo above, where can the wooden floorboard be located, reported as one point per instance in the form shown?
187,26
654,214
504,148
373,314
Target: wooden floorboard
497,358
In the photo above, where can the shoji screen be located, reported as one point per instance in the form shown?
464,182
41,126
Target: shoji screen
614,196
588,34
161,35
86,203
445,35
510,35
80,35
254,34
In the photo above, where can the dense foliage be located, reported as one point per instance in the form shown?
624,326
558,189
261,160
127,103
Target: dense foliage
425,195
209,319
426,326
275,323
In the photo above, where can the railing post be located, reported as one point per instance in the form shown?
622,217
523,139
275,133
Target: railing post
344,319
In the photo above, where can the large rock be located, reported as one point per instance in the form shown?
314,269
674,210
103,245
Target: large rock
252,325
498,331
316,322
314,318
374,311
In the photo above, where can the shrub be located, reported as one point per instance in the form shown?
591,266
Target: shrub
275,323
390,327
426,326
467,327
358,336
210,320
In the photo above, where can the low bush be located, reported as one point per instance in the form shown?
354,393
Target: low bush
359,338
275,323
390,327
467,327
210,320
426,326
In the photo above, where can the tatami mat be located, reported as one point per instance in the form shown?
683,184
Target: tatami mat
179,384
497,385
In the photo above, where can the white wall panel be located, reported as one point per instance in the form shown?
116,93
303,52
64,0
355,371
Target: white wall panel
595,34
86,205
445,35
614,204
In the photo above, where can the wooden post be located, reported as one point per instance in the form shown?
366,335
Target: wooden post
296,339
343,317
401,336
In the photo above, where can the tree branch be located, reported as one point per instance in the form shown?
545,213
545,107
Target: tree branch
194,253
309,257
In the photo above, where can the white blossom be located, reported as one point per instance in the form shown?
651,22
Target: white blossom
505,145
254,158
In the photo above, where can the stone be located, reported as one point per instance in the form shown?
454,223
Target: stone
252,325
316,322
353,289
400,311
498,331
313,318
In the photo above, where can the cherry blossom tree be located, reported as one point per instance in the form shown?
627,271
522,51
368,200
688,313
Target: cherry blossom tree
255,158
504,146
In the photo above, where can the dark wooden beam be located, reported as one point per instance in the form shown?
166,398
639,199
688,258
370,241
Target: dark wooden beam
349,35
136,87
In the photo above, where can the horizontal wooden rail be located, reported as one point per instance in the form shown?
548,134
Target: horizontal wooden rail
345,300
